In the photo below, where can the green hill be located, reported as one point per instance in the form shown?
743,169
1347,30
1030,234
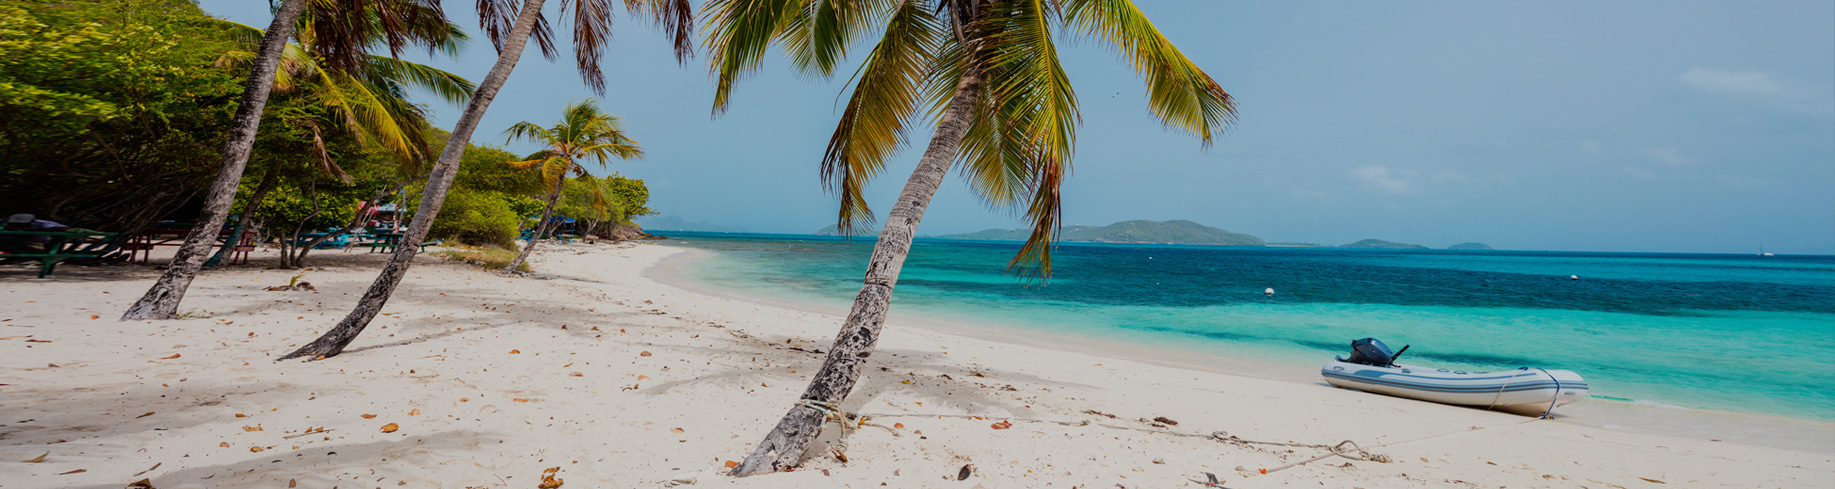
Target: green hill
833,230
1387,245
1471,247
1140,231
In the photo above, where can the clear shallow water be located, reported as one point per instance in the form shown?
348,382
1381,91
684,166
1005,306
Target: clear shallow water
1739,333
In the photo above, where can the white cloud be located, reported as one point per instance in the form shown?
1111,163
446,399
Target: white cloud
1741,82
1382,178
1667,155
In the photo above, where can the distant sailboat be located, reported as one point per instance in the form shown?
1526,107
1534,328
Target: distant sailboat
1762,251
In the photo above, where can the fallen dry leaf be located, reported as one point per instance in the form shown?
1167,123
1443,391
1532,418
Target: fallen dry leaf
1001,425
224,444
369,416
731,464
141,484
48,341
38,459
518,399
515,351
149,413
576,374
174,355
295,483
898,425
549,481
251,428
676,430
390,428
643,377
77,471
256,449
644,354
93,316
240,415
415,412
1653,481
964,473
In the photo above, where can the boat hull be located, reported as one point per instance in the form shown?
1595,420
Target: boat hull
1522,390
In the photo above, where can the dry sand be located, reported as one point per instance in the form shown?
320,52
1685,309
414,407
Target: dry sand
621,381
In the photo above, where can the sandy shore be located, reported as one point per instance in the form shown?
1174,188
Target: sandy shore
621,381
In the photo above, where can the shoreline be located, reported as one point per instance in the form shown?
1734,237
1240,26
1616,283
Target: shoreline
1633,416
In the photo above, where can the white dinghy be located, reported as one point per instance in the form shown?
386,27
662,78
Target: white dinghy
1527,390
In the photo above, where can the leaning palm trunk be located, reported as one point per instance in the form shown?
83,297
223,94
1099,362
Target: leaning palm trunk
248,212
541,227
439,181
161,301
784,446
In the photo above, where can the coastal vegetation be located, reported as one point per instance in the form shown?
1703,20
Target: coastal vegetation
1005,111
1386,245
1471,247
583,132
509,33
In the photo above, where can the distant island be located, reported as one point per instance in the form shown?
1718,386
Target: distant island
1471,247
676,223
1385,245
1139,231
834,230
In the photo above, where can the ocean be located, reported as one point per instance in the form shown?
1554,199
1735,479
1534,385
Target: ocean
1709,332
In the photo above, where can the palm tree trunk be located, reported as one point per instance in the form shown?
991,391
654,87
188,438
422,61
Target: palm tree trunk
540,227
439,181
161,300
248,212
784,446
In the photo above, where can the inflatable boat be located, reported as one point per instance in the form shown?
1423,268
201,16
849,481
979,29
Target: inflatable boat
1526,390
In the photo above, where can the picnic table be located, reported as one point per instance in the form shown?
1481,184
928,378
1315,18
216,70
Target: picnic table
140,247
387,242
63,245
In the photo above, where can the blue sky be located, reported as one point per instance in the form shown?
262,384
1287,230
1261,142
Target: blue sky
1671,126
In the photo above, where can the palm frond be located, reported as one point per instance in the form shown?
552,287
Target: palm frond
445,85
497,17
1178,92
884,102
739,33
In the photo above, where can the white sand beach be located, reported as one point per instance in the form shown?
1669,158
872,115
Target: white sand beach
623,381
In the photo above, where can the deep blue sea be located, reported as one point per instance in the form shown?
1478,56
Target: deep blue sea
1726,332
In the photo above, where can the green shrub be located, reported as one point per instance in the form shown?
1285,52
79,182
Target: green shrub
479,219
491,258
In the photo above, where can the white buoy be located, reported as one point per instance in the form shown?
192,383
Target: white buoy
1573,277
1270,291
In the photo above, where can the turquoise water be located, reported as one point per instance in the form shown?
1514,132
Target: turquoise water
1729,332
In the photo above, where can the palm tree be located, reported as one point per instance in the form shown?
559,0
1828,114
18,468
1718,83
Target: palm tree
345,30
367,101
1005,111
592,30
583,132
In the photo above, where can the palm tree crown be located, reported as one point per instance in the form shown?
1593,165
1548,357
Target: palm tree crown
1022,131
584,132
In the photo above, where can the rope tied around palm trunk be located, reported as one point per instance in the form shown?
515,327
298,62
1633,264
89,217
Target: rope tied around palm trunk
833,412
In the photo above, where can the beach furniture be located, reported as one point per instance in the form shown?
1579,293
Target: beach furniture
1526,390
63,245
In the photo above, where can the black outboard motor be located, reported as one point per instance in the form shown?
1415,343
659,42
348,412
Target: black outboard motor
1372,351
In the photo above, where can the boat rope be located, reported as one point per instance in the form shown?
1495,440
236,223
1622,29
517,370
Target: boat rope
1553,399
1500,390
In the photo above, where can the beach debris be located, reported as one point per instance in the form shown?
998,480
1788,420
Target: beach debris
174,355
549,479
1001,425
1099,413
77,471
256,449
257,427
293,284
414,412
519,399
38,459
898,425
731,464
141,484
644,354
390,428
368,416
1211,480
224,444
963,474
682,480
1166,420
1159,460
513,352
676,430
1652,481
